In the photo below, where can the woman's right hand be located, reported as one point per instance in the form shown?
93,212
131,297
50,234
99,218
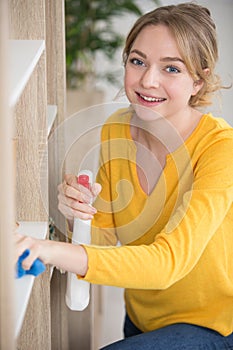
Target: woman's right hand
74,200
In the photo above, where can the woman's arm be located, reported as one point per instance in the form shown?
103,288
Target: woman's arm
66,256
175,251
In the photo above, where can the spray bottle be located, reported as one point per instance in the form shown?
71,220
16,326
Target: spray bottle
78,291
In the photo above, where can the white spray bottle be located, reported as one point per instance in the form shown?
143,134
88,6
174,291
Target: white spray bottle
78,291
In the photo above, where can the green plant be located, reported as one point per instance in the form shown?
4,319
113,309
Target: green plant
89,29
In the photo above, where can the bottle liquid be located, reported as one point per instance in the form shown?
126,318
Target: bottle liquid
78,291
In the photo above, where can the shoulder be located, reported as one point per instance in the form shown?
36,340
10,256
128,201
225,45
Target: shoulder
212,142
217,126
212,131
214,145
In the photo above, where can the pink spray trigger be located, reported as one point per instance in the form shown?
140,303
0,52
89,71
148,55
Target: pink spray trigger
84,180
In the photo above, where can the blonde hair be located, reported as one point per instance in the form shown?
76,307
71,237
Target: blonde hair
195,33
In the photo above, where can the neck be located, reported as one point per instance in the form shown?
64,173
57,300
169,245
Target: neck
155,133
170,132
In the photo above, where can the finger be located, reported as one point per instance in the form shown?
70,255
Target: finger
17,251
96,189
79,192
77,207
29,260
23,243
66,211
67,204
82,215
18,237
74,209
70,179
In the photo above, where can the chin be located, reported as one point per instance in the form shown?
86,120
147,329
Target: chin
146,113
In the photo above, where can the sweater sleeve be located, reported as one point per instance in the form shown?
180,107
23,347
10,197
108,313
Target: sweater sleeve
178,247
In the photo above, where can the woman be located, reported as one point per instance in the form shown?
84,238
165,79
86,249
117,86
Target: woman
167,192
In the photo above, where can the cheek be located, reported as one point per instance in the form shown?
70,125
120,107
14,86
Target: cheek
128,82
174,90
183,89
132,76
128,78
125,79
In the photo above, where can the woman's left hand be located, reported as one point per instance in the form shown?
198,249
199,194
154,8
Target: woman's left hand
36,247
66,256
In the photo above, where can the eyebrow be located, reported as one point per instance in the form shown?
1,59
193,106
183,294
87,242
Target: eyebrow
163,59
140,53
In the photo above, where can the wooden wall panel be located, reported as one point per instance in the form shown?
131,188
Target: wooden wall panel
27,19
6,198
36,330
31,131
27,22
56,87
56,76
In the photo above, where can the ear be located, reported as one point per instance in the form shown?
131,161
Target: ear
198,84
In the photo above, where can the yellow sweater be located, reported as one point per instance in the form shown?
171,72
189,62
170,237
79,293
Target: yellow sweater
177,243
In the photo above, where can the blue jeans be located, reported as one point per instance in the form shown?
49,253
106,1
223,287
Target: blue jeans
179,336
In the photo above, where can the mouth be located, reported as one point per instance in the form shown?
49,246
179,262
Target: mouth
150,99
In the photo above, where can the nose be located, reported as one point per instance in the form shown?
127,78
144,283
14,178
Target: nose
150,78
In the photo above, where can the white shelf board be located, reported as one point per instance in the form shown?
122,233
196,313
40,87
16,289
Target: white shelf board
24,56
23,285
51,115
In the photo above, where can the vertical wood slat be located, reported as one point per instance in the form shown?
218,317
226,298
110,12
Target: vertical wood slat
56,95
36,330
55,49
56,87
27,19
27,22
7,198
31,131
31,200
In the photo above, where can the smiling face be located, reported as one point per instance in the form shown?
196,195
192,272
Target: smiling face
156,76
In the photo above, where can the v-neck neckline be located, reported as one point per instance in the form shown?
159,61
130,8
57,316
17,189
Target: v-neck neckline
168,158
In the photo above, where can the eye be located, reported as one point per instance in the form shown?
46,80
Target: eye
136,62
172,69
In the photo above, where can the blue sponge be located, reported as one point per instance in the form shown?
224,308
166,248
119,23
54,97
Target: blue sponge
36,269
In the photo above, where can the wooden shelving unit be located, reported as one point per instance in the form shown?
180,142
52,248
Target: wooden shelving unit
23,58
7,340
32,103
33,313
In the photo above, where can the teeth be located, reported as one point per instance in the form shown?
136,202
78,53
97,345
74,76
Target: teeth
151,99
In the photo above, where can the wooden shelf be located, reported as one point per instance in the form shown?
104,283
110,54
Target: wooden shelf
23,286
24,55
33,82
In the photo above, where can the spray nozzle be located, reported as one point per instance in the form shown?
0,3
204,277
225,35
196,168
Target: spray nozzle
84,180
